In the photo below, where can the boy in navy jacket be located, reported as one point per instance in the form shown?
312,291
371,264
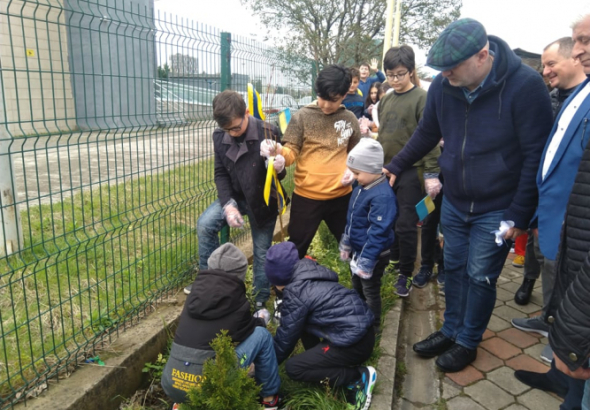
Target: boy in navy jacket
368,235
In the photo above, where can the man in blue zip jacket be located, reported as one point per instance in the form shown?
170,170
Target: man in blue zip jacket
494,114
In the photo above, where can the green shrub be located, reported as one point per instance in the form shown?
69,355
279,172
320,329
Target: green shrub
226,386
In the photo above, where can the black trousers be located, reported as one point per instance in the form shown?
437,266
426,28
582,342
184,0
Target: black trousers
408,191
307,214
431,252
323,361
370,289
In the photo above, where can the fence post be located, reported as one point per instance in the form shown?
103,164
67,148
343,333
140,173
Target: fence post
11,232
314,76
225,84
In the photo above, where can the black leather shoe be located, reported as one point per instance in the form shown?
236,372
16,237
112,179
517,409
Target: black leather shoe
523,294
433,345
540,381
456,358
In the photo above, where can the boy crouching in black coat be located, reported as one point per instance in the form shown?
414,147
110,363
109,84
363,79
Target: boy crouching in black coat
218,301
334,324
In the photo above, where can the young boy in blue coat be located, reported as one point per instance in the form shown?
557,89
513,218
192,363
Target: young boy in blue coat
334,324
368,235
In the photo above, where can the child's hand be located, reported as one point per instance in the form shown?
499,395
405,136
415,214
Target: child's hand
374,66
344,256
269,148
347,178
263,314
364,275
279,163
432,186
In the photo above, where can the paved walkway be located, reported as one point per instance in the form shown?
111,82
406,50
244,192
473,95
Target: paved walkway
487,384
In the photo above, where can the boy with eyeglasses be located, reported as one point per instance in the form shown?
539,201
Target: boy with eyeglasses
240,174
399,113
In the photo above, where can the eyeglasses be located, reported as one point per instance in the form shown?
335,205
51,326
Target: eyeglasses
399,76
235,129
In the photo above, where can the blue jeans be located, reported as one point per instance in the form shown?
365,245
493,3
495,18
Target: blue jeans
473,263
259,349
210,224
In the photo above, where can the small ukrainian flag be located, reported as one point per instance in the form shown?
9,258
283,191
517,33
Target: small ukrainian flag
254,103
284,118
424,207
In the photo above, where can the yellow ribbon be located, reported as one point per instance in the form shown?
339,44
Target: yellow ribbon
271,176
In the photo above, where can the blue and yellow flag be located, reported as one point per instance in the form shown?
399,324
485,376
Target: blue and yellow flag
424,207
284,118
255,103
272,181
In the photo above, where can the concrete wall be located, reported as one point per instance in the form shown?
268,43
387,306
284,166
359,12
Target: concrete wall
35,85
112,60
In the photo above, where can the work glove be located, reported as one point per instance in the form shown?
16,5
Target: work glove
232,215
279,164
263,314
432,186
270,148
347,178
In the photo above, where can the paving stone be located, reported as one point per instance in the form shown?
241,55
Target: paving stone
527,309
489,395
496,324
500,348
535,351
516,407
465,377
498,303
512,273
507,313
504,295
463,403
502,279
450,389
524,362
538,400
511,287
518,338
504,377
403,404
487,334
486,361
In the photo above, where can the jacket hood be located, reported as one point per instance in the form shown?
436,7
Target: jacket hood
506,62
314,107
306,269
213,295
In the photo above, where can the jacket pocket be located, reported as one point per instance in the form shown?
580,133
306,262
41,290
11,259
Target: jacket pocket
488,176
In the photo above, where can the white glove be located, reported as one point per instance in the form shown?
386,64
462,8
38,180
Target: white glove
279,164
432,186
270,148
344,255
364,125
347,178
263,314
232,215
501,232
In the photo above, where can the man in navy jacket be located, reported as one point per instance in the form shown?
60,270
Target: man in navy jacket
494,114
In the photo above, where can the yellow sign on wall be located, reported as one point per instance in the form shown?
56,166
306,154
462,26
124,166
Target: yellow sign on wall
30,52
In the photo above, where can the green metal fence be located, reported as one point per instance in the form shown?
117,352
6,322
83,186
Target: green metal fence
105,166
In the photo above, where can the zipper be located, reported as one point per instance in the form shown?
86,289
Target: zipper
352,211
463,149
584,132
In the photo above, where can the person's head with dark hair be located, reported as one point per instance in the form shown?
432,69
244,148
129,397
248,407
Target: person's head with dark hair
230,112
400,65
356,78
331,87
383,89
373,96
559,67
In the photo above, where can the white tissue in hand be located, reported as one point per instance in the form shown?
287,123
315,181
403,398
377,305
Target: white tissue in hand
501,233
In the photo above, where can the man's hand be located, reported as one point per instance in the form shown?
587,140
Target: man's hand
579,373
232,215
513,233
374,66
390,176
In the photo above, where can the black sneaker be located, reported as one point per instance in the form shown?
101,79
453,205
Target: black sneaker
423,277
275,404
403,286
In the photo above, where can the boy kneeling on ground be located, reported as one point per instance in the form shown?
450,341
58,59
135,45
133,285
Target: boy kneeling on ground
218,301
334,324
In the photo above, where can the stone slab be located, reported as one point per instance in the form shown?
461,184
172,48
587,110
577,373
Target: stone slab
538,400
504,377
489,395
463,403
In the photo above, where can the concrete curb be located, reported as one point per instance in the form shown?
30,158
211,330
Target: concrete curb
383,397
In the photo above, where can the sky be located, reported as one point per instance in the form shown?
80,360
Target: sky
525,24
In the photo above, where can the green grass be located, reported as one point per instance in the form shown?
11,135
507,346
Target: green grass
92,263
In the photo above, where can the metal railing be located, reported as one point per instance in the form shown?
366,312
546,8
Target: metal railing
105,166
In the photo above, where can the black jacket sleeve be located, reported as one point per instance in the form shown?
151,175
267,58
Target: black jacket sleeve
222,176
570,333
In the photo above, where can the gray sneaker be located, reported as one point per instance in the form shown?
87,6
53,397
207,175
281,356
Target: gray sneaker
531,324
547,354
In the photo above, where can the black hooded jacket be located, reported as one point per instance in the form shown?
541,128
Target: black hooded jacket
217,301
